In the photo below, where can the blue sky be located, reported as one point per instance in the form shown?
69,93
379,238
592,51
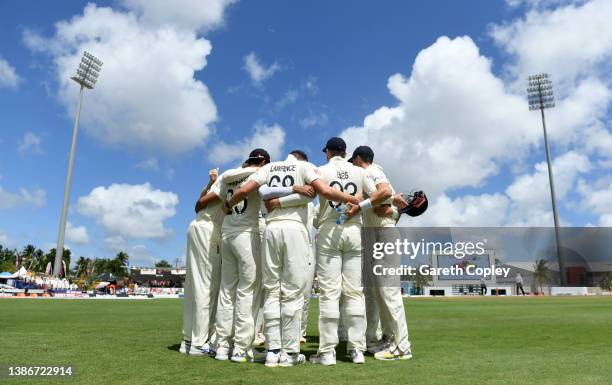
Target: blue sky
435,87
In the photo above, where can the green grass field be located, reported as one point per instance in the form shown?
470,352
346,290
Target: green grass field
455,341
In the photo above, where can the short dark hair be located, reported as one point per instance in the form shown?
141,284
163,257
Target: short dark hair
301,155
256,161
333,153
365,153
366,158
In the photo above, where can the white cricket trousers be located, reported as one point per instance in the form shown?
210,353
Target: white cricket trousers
259,316
307,290
339,272
374,330
240,293
385,304
285,266
201,282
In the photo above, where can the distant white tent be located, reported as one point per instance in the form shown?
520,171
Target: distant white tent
22,272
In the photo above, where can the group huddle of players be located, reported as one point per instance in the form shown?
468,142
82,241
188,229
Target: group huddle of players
250,261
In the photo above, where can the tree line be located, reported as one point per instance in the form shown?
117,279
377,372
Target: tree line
36,260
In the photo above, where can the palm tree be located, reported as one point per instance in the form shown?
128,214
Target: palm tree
28,255
420,281
81,266
50,257
122,260
36,257
541,273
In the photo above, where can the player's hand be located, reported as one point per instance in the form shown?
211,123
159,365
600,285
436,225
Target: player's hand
308,191
213,174
352,210
399,201
226,209
383,211
272,204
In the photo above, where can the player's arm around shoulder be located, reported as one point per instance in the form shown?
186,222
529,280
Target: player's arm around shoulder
251,184
210,193
238,173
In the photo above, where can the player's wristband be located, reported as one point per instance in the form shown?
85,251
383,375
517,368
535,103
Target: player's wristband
366,204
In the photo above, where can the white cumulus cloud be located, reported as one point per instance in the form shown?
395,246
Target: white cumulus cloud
257,71
189,14
313,120
454,123
530,193
147,97
270,138
468,210
25,197
30,144
598,199
573,42
569,41
150,164
130,211
77,234
8,75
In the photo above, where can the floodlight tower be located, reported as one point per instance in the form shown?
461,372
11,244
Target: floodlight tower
540,95
86,76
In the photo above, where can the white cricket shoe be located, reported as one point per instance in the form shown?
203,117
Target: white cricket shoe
240,357
357,357
325,359
222,353
378,346
291,359
272,359
388,355
185,346
199,350
404,356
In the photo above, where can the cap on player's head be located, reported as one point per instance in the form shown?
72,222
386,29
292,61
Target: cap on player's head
335,144
257,156
300,155
364,152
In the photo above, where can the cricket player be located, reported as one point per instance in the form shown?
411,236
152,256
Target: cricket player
203,271
295,200
388,299
239,296
339,258
284,255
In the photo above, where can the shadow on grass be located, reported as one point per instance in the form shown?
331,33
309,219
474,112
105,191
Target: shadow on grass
174,347
312,344
341,352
